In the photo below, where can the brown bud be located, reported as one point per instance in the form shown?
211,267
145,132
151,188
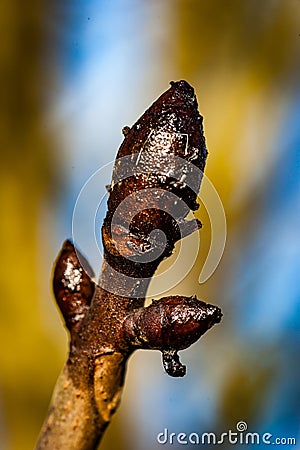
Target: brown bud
162,159
171,324
72,285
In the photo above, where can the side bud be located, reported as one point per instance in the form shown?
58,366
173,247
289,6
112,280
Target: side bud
72,285
171,324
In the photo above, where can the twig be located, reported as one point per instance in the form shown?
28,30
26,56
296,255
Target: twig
156,178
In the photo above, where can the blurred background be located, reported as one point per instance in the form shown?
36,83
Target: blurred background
73,74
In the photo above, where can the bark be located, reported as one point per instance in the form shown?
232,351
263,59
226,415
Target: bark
155,181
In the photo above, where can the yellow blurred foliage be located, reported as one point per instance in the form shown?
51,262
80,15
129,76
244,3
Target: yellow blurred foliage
26,179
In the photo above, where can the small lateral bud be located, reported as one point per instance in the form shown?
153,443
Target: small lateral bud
171,324
72,285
